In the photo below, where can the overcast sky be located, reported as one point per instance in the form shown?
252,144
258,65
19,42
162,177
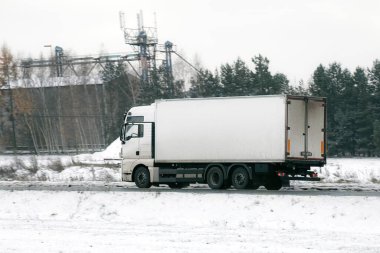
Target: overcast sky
296,35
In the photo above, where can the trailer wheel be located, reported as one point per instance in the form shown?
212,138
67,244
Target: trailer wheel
273,183
142,177
215,179
240,178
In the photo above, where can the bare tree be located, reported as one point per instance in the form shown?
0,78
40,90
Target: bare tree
8,67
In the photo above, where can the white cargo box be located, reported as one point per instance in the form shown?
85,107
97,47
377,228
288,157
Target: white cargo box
221,130
238,129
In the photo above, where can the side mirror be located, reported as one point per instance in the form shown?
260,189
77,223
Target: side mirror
122,133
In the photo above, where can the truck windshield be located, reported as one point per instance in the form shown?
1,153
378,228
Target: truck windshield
135,119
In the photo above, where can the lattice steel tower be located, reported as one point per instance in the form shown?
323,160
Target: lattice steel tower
144,41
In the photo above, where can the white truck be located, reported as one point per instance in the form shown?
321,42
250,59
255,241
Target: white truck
245,142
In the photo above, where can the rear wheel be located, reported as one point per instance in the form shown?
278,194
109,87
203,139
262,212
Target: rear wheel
215,178
142,177
240,178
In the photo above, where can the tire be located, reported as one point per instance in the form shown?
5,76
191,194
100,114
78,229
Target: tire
142,177
178,185
273,183
215,178
240,178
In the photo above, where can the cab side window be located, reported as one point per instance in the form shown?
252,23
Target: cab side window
134,131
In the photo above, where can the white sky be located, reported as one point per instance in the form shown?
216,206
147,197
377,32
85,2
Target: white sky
296,35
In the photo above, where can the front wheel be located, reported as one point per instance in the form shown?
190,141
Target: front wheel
240,178
142,177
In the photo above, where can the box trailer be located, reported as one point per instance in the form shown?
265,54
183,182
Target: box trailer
241,141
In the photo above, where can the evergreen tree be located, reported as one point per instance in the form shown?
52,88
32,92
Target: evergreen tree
374,101
374,89
242,76
227,77
238,80
362,124
319,84
376,135
280,84
205,85
163,86
262,78
346,104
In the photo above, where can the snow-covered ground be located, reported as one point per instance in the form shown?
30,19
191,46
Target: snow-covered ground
355,170
43,221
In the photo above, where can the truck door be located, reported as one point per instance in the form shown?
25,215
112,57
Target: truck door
130,147
138,141
145,145
296,128
316,131
306,133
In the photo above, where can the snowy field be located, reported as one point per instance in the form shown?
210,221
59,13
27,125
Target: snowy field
182,221
43,221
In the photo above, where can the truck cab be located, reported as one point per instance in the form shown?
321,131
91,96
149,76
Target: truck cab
137,137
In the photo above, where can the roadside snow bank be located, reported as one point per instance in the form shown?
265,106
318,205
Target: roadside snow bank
351,170
111,152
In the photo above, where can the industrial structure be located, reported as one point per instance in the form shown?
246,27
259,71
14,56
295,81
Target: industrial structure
60,119
146,52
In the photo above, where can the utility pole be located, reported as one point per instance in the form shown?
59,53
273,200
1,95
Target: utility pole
169,67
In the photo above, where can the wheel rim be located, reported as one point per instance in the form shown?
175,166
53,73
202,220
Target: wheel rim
240,179
141,178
